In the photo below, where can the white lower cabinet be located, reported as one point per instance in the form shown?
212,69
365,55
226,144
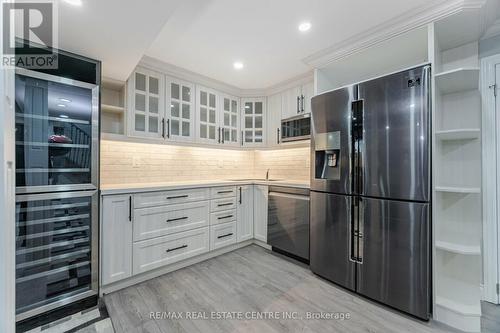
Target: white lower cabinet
164,220
116,238
161,251
150,230
222,235
260,196
245,212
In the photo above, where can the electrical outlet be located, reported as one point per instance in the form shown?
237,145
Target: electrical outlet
136,162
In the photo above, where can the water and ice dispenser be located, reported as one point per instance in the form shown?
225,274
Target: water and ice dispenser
327,151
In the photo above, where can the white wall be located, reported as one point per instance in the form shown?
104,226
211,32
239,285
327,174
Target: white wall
7,196
489,47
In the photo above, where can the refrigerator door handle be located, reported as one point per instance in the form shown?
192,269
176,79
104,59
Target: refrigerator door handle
353,231
357,136
361,222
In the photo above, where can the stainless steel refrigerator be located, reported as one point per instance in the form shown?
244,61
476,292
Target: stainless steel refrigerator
370,189
57,146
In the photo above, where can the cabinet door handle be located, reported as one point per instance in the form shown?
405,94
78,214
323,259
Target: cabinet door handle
240,195
224,217
226,235
178,196
177,219
278,136
298,104
219,135
163,128
225,204
242,138
177,248
168,128
302,102
222,139
222,192
130,208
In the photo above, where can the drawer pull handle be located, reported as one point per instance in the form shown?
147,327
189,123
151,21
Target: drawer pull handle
222,192
224,217
225,204
177,248
223,236
178,196
177,219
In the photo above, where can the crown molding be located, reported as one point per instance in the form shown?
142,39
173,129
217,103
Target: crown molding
410,20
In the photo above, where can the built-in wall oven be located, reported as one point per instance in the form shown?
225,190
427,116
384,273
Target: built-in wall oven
56,191
296,128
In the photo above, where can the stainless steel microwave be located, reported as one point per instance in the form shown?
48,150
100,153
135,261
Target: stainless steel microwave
296,128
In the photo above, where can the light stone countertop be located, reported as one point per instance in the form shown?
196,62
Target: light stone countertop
110,189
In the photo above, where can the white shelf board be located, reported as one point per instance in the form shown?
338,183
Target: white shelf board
460,308
458,248
112,108
459,134
457,189
457,80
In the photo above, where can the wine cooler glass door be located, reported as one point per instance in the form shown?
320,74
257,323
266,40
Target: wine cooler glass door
56,133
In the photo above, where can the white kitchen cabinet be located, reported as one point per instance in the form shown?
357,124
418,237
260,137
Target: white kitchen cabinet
180,110
308,93
245,212
274,105
146,110
253,120
260,196
207,115
116,238
297,100
229,120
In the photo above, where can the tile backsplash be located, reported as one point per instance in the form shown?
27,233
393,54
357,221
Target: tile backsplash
130,162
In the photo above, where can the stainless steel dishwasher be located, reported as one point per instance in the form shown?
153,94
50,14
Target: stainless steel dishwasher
288,221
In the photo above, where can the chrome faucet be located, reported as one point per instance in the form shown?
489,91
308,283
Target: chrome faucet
267,174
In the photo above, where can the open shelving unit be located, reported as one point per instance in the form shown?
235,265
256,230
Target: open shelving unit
113,107
457,207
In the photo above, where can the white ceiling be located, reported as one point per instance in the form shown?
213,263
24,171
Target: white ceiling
117,32
207,36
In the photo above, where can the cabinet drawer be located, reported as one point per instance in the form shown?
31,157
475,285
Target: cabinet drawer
222,192
218,205
164,220
151,199
222,235
161,251
223,217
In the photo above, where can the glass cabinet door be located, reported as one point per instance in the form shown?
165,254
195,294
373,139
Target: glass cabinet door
147,104
56,133
230,120
55,258
253,114
207,116
180,102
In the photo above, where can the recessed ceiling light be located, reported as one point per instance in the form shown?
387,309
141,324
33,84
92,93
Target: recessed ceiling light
61,105
74,2
304,26
65,100
238,65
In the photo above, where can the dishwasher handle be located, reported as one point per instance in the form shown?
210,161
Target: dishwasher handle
289,195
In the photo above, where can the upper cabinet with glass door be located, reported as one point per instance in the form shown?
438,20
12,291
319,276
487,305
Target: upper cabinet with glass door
208,129
253,117
146,110
229,124
180,106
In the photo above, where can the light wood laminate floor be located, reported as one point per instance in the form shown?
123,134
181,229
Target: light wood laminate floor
246,280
